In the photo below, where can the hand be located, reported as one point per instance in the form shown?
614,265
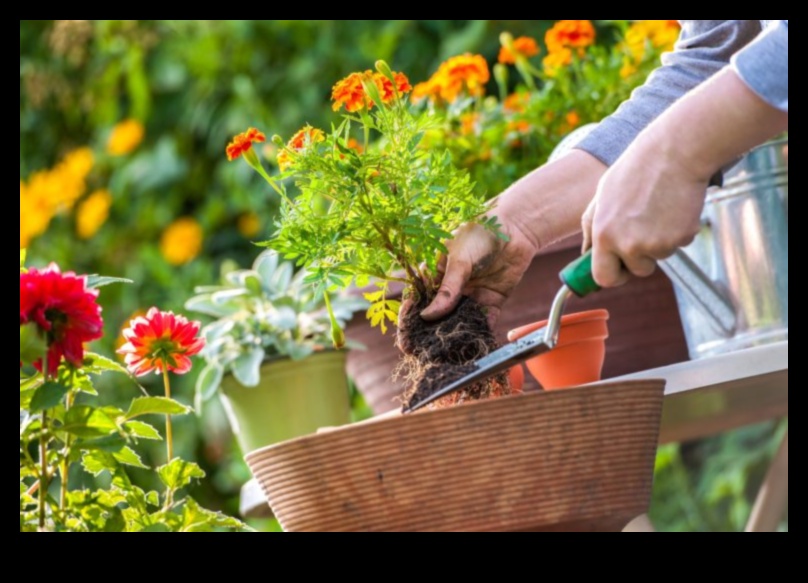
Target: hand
542,208
650,201
647,206
483,267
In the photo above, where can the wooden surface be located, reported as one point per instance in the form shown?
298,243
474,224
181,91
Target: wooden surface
772,500
707,397
566,460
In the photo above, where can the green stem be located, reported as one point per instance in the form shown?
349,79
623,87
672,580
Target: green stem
66,453
169,432
272,183
43,456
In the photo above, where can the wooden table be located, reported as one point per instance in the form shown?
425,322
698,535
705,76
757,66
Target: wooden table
714,395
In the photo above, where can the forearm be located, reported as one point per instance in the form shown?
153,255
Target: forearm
547,205
704,48
714,125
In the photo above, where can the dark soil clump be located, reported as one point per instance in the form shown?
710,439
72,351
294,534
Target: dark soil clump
438,353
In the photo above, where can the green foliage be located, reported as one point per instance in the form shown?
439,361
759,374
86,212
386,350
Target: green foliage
266,312
380,213
58,432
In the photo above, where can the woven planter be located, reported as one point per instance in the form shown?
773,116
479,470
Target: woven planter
580,459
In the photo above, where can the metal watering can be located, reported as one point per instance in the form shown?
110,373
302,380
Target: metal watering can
732,282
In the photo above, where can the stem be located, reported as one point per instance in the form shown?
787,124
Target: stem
64,467
169,432
43,456
268,178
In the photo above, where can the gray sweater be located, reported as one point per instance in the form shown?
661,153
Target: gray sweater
756,49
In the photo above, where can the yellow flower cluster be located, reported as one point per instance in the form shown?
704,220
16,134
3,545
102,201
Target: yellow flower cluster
125,137
49,192
93,213
660,35
182,241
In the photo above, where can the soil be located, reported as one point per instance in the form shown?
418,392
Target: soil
439,353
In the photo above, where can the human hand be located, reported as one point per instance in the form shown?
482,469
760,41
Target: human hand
649,203
647,206
542,208
483,267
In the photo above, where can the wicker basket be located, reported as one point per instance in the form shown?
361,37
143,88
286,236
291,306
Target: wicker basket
577,459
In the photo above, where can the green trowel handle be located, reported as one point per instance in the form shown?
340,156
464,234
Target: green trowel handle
578,276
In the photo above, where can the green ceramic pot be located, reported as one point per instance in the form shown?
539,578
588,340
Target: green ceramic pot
294,398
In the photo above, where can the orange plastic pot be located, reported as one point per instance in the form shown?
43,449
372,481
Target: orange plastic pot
578,359
517,378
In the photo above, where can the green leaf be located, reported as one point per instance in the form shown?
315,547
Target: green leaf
48,396
197,519
142,430
88,422
96,463
208,383
23,253
97,281
128,457
247,367
155,406
178,474
97,364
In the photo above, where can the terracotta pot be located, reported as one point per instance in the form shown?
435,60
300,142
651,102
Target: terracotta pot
579,356
579,459
645,328
517,378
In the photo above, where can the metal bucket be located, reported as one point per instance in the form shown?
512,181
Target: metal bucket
743,248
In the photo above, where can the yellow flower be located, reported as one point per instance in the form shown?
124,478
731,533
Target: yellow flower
125,137
659,34
93,213
249,225
79,163
49,192
181,242
555,60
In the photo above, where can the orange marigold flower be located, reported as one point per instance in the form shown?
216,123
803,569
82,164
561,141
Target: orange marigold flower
161,341
427,90
386,88
575,34
462,75
299,142
350,92
516,102
242,143
353,144
469,122
524,46
573,120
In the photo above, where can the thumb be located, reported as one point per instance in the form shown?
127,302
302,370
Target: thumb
458,272
587,222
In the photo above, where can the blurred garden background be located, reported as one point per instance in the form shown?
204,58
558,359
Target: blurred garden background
123,126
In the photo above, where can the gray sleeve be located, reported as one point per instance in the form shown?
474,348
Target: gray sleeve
704,48
763,65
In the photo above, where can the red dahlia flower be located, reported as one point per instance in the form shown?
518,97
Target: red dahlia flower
64,311
161,341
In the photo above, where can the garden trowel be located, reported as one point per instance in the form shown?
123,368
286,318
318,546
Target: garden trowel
577,279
